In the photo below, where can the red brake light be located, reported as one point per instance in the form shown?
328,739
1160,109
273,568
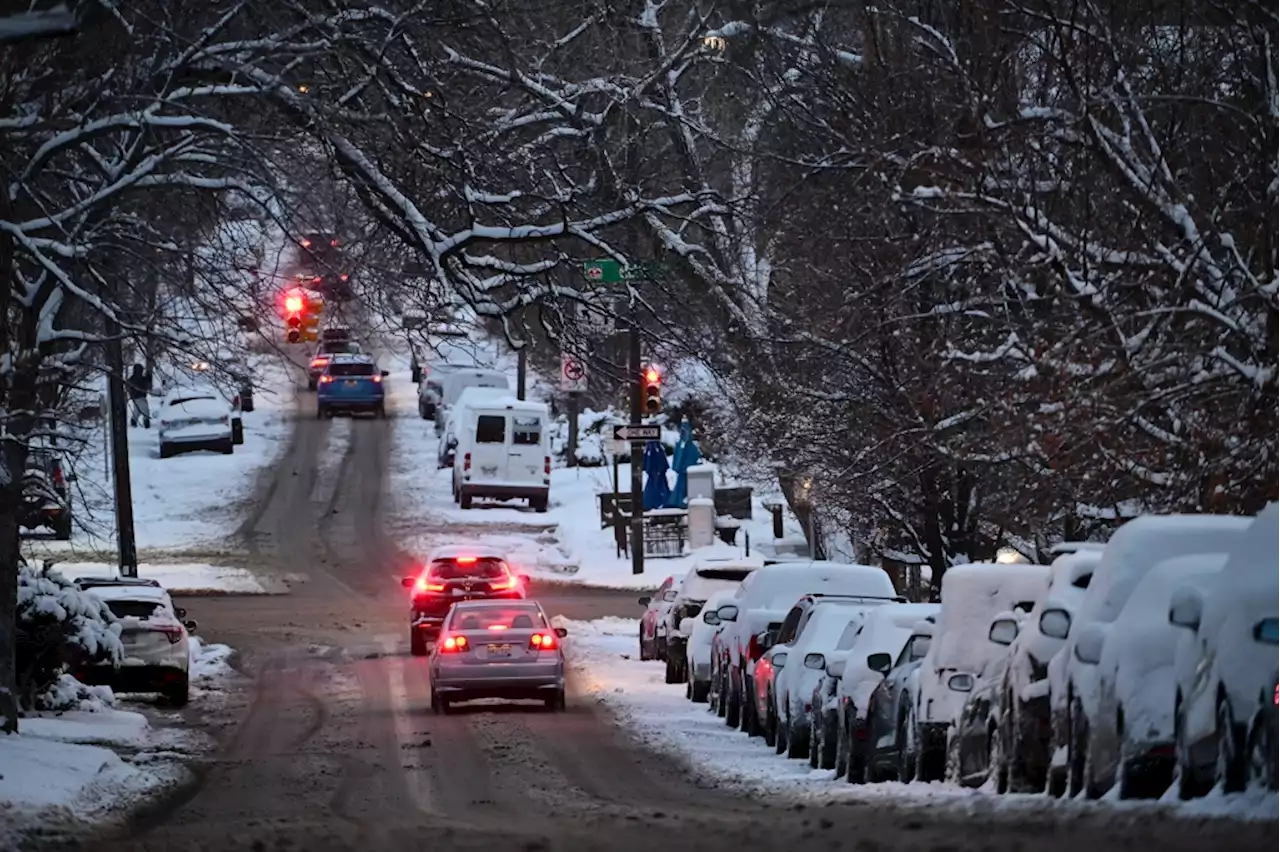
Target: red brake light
326,379
466,462
425,585
173,634
497,627
466,560
543,642
319,362
376,377
546,465
753,649
453,644
1278,695
503,585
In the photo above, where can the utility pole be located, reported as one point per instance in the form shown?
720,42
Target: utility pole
522,366
637,448
127,547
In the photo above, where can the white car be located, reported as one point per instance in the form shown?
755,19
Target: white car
698,646
195,418
1133,550
1130,722
1027,711
855,674
1225,665
961,650
707,577
155,636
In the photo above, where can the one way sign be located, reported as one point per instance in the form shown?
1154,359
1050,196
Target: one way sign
637,432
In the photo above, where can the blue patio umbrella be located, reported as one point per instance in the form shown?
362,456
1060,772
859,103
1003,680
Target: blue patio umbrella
686,456
656,489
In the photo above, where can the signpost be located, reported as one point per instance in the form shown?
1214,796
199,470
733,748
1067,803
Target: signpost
637,433
573,373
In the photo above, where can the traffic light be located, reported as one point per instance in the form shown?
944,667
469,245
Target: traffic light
310,328
294,334
652,391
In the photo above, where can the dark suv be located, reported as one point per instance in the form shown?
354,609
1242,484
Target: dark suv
46,498
456,573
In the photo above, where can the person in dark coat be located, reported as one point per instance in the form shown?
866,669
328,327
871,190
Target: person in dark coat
139,387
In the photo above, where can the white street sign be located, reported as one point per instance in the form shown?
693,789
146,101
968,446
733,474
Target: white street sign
592,316
573,373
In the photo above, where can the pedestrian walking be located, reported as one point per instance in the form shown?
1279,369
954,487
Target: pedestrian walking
139,386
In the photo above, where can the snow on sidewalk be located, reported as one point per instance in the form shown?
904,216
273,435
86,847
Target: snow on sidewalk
604,657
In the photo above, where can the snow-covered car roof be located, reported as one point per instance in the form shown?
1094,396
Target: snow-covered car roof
153,594
972,595
195,391
453,551
769,587
350,358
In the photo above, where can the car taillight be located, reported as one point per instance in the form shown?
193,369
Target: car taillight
1278,695
466,560
173,634
425,585
543,642
164,424
453,644
503,585
324,380
546,465
753,649
466,462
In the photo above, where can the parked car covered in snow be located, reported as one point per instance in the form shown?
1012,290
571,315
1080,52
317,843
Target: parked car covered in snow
456,381
698,647
195,418
879,642
976,744
769,595
656,607
707,577
1025,708
155,637
961,653
1225,666
889,710
1129,723
1133,550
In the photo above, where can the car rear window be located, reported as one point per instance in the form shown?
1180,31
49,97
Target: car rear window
526,431
480,569
132,609
351,369
491,429
497,619
180,400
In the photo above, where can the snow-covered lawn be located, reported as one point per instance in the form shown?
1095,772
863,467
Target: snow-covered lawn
603,655
178,578
96,763
565,543
186,502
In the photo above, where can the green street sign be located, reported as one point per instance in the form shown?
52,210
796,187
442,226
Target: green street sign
609,271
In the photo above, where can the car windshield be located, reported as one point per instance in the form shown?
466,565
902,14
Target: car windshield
497,619
133,609
349,369
463,568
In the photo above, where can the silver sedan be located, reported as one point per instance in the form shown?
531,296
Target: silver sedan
497,649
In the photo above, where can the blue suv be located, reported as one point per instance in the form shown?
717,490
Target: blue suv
350,384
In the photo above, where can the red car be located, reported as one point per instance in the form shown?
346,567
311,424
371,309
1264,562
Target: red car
653,646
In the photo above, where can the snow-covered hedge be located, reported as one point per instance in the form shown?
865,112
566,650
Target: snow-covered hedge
59,625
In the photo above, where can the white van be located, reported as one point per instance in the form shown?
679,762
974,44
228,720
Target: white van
456,381
503,452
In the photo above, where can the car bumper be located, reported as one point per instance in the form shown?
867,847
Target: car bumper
186,437
140,678
337,402
499,680
504,491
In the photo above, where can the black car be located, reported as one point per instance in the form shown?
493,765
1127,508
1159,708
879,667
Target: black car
46,498
456,573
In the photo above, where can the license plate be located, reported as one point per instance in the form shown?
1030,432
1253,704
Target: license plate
499,650
351,383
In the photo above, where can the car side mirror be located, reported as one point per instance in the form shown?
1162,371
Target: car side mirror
766,639
728,612
815,661
1185,609
779,659
644,600
562,632
408,582
452,443
191,625
960,682
880,662
669,596
180,612
710,618
386,373
1089,644
1055,623
1003,630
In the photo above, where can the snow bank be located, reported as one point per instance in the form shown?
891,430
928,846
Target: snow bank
178,578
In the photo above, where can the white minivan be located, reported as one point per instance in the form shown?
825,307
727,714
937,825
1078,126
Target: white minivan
503,452
456,381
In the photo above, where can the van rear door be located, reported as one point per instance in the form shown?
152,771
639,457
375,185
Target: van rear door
526,460
489,447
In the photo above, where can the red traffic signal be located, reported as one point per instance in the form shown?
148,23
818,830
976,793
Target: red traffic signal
295,321
652,390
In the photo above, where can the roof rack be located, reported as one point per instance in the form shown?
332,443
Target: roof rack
97,582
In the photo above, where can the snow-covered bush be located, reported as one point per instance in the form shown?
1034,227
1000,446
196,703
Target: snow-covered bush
67,693
594,428
58,625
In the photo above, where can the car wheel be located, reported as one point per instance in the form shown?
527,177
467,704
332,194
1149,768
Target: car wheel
815,743
165,451
825,738
464,500
1189,784
1015,763
906,757
1261,765
1230,768
237,431
733,701
645,656
995,761
437,706
538,504
856,756
320,412
673,671
797,739
417,642
747,722
381,412
228,447
177,694
700,690
556,703
779,730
